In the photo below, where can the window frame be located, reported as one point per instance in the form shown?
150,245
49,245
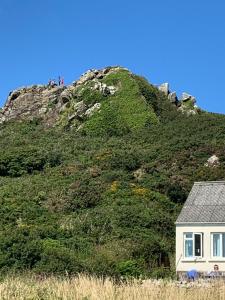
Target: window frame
193,240
221,234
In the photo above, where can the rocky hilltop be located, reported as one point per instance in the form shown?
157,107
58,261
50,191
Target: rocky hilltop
48,102
102,197
75,103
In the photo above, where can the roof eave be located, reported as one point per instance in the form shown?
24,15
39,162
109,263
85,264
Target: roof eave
195,223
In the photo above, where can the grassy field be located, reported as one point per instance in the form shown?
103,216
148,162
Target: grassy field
86,288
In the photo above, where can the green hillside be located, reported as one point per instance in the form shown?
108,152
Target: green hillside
136,104
103,199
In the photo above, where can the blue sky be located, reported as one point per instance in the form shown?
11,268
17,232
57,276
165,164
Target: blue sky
180,42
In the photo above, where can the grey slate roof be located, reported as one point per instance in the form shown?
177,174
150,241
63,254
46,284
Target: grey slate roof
205,203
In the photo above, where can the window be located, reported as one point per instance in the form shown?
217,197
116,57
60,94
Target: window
192,244
218,244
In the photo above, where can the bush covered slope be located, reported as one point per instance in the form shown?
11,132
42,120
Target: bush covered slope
103,199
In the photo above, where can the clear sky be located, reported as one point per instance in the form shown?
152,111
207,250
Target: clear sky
177,41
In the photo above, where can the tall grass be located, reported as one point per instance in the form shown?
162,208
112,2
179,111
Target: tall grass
90,288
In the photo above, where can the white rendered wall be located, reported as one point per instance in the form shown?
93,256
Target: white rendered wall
206,263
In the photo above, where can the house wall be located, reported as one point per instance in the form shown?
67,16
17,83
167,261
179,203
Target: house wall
206,263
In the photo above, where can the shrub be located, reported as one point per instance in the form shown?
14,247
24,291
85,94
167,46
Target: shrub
55,258
129,268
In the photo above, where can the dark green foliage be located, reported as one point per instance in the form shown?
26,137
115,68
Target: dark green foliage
159,102
90,97
22,161
126,160
124,112
85,194
149,92
56,258
107,123
129,268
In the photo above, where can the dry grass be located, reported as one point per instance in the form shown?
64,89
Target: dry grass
86,288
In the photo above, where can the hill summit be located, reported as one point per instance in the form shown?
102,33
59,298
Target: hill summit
113,93
93,175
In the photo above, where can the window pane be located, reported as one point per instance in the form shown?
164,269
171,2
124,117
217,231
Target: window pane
223,245
188,248
188,235
197,244
216,244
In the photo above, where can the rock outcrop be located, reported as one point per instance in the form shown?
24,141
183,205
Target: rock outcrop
30,102
186,104
76,102
212,161
164,87
173,98
50,102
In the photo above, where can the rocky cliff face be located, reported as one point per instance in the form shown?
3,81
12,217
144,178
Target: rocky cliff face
34,101
58,104
48,102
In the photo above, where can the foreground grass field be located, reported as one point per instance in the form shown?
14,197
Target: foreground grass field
86,288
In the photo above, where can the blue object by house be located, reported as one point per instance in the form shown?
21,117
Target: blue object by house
192,274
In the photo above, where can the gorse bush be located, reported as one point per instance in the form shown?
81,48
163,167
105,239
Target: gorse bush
22,161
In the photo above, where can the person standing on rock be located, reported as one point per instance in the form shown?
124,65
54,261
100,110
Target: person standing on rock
62,81
53,84
59,80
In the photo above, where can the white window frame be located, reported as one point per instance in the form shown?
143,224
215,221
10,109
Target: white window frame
193,239
221,245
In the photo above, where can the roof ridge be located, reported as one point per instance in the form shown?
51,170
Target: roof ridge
204,205
209,182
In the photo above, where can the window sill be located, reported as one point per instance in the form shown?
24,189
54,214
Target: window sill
193,259
217,260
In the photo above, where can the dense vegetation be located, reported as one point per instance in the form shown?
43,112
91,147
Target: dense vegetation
103,200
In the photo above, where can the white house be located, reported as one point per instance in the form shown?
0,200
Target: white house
200,229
